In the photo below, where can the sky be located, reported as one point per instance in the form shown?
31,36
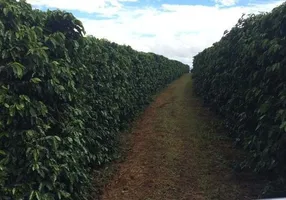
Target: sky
177,29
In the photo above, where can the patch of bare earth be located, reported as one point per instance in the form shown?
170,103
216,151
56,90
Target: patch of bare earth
177,152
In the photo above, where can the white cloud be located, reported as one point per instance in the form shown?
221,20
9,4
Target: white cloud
226,2
175,31
89,6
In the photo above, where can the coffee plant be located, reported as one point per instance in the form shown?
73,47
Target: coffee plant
64,97
243,78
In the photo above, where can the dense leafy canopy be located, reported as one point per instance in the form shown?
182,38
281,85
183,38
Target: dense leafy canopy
243,77
63,99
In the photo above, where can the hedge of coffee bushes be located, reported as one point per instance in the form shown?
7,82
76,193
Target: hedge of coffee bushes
63,99
243,78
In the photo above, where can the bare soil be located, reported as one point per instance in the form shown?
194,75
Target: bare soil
178,151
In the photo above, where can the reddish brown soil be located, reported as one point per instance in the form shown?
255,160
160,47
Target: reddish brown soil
178,153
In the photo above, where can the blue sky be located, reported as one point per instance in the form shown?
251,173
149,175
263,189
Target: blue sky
177,29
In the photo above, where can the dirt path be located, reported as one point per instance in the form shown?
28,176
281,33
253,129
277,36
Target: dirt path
178,153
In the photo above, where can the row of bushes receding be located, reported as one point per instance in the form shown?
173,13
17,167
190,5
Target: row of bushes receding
243,77
63,99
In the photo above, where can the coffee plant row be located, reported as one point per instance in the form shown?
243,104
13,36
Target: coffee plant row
243,78
63,100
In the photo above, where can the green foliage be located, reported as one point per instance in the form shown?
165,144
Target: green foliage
63,100
243,78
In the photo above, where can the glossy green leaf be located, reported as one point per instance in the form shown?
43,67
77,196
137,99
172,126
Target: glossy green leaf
18,69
